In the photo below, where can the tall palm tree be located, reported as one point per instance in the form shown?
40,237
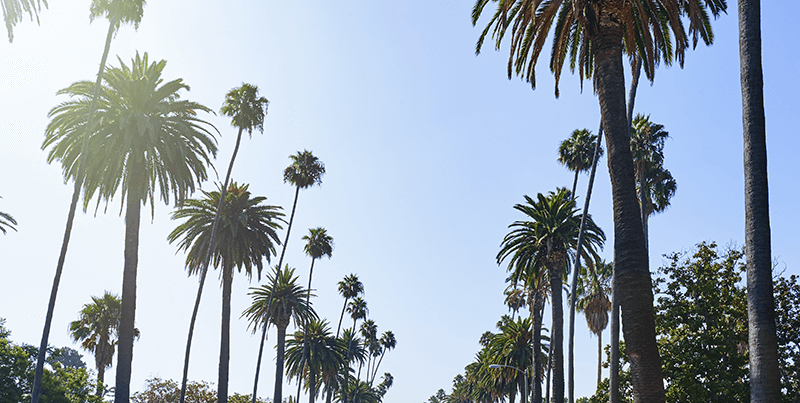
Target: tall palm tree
654,183
357,308
318,244
247,111
349,287
279,302
593,35
97,330
576,153
13,11
306,170
247,234
314,354
548,240
764,372
117,12
149,141
388,342
593,300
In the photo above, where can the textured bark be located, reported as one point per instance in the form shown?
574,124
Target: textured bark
225,337
76,192
537,311
630,255
557,336
128,314
281,347
613,372
764,374
599,358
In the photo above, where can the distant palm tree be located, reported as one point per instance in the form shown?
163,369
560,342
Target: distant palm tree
511,346
357,391
247,234
247,111
149,141
279,302
762,336
593,300
349,287
314,354
387,342
357,308
97,330
305,171
117,12
576,153
14,9
548,239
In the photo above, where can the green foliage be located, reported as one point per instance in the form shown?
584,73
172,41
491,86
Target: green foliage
13,11
701,322
787,319
159,390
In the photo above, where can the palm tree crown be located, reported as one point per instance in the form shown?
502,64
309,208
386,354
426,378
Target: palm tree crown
245,108
14,9
322,359
305,171
118,12
577,152
318,243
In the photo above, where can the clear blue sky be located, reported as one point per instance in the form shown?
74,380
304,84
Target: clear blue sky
427,148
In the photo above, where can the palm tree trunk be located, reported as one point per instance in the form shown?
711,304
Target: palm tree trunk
341,317
764,375
281,346
630,253
204,270
613,376
76,191
599,358
305,334
574,289
128,310
575,183
537,312
269,300
557,335
549,370
225,336
101,378
312,384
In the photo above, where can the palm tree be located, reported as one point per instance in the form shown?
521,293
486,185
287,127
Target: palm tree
247,111
593,36
97,329
279,302
511,346
654,183
149,141
318,244
357,308
593,300
117,12
314,354
576,153
305,171
14,9
387,342
349,287
764,372
6,220
248,231
547,240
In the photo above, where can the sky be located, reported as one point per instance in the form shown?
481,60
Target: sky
427,148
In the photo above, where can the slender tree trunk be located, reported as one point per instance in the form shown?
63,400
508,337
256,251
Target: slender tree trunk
575,183
128,310
204,269
549,370
599,358
537,312
278,395
225,337
312,384
557,333
101,378
341,317
304,360
630,253
375,371
764,373
269,300
76,192
574,288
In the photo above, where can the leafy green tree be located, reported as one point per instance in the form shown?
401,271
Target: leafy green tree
159,390
247,234
97,328
764,356
548,238
279,302
149,141
306,170
787,316
577,152
117,12
13,11
594,35
247,111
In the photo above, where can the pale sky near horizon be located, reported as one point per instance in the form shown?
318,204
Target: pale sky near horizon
427,149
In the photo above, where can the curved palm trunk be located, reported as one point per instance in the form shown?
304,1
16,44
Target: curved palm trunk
341,317
764,375
630,254
204,270
557,335
269,302
225,337
37,381
574,288
128,309
281,347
